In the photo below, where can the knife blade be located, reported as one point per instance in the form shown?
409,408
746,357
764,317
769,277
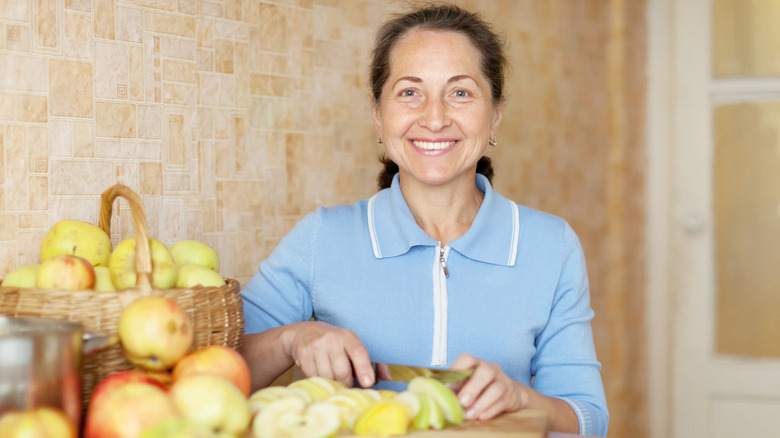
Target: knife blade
405,373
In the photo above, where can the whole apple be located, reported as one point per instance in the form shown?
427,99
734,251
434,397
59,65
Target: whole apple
196,253
113,381
103,281
190,275
121,264
79,238
128,410
215,359
23,276
212,401
67,272
155,332
43,422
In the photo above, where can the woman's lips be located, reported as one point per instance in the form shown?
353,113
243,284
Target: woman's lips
433,146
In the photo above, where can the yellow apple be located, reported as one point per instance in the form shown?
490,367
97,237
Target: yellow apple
79,238
122,265
103,281
196,275
43,422
155,332
194,252
265,396
384,418
23,276
212,401
215,359
292,417
180,428
128,410
66,272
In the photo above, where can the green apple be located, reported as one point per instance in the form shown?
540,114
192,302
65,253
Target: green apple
23,276
263,397
67,272
196,275
122,265
212,401
79,238
444,397
103,281
155,332
435,414
292,417
194,252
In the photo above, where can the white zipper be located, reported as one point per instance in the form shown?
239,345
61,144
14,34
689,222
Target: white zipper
440,274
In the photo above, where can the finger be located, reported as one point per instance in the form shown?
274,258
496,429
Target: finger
489,403
361,363
342,368
464,361
472,389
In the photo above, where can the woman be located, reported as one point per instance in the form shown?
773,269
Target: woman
437,269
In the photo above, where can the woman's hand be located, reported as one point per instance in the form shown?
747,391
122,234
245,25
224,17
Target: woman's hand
489,391
321,349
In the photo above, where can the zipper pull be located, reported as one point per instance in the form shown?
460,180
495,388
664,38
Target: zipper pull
443,262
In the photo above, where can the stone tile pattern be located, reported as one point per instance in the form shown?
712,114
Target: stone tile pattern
234,118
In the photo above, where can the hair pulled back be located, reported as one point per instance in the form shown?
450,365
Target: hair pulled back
445,17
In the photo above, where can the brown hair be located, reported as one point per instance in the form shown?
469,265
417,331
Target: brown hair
438,17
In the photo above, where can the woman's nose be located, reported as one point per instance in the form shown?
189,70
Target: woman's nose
434,115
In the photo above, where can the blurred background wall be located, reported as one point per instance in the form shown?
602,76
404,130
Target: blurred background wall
233,118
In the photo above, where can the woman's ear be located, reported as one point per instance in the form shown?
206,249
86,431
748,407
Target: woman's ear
497,116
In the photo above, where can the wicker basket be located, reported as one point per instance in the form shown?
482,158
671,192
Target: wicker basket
216,312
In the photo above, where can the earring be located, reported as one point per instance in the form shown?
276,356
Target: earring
493,143
379,140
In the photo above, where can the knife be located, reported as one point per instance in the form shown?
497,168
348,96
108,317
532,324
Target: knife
405,373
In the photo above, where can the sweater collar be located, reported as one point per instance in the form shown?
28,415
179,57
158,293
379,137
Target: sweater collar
492,238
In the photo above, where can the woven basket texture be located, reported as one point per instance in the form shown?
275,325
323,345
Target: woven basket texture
216,312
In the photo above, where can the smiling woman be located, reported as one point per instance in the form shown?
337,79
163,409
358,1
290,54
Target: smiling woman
436,269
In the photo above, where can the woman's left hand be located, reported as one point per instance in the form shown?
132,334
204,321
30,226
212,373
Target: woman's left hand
489,391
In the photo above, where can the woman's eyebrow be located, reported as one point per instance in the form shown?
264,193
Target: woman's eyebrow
418,80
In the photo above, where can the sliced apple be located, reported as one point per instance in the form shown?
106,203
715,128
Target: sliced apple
263,397
435,415
291,417
330,385
384,418
444,397
350,405
316,391
422,420
412,399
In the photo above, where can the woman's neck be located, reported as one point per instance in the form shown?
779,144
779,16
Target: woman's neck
444,212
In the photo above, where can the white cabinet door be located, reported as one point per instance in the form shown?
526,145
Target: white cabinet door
720,212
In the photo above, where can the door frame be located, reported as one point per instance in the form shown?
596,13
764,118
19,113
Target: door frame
659,140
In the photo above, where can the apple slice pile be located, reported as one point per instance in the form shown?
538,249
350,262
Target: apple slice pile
316,407
76,255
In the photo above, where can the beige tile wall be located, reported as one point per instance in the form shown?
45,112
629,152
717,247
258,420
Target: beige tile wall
233,118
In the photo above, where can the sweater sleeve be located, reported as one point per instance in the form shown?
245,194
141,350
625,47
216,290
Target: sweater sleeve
279,293
565,364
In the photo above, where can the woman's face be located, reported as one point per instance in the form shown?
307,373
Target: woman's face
436,115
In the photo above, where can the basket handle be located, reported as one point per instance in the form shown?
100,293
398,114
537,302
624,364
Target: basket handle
143,254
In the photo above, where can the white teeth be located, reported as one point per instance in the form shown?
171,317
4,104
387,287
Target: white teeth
433,145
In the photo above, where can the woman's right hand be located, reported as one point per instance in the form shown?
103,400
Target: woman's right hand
321,349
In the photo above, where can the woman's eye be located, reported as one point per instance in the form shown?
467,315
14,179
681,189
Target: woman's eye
407,93
461,93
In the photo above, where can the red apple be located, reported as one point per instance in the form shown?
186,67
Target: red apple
110,384
66,272
215,359
128,410
40,422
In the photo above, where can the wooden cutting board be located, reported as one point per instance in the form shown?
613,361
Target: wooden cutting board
521,424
